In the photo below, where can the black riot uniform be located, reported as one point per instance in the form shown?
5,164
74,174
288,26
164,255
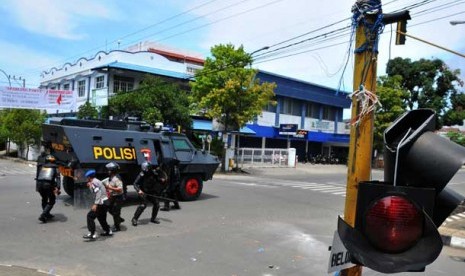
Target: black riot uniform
47,184
173,185
149,184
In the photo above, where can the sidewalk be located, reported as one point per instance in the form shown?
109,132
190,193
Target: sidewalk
452,233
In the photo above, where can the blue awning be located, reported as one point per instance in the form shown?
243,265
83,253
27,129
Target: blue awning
202,125
207,126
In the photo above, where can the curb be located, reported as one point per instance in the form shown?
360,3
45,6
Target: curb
18,160
453,241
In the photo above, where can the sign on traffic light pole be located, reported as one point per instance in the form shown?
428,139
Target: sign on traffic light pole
397,219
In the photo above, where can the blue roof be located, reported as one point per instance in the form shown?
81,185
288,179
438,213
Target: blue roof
297,89
145,69
207,125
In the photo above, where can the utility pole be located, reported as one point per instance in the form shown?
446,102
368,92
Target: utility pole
365,18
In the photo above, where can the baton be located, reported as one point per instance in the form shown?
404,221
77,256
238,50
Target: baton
160,197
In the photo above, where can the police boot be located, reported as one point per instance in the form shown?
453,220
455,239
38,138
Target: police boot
137,215
176,205
46,212
154,220
117,221
166,206
154,215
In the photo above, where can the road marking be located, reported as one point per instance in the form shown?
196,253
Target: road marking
326,188
306,186
331,190
255,184
313,186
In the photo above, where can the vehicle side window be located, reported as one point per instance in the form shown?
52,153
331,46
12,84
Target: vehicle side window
179,144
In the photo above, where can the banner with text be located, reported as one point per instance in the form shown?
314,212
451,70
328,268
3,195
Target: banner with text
34,98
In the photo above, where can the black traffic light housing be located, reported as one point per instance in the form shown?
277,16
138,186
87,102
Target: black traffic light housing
401,18
423,159
418,165
369,253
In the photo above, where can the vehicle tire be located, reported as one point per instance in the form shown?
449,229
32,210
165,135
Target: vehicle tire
68,185
190,188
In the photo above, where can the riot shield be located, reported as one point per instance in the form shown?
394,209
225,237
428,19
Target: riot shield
83,197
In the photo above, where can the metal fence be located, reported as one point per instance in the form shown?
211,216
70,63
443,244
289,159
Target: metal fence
259,157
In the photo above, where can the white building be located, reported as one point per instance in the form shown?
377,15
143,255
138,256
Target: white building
314,110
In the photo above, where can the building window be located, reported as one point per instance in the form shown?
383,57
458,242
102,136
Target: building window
312,111
81,88
291,107
99,82
66,86
123,84
329,113
270,108
191,70
296,108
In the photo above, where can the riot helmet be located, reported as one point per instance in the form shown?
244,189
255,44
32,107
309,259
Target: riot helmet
146,166
112,167
50,158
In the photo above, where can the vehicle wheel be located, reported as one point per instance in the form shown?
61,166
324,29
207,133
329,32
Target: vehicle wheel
191,188
68,185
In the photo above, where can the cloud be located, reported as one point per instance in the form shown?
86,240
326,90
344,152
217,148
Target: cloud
27,59
59,19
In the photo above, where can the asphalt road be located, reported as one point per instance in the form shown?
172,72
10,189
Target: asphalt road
267,223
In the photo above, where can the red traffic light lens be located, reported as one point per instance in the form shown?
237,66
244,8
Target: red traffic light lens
393,224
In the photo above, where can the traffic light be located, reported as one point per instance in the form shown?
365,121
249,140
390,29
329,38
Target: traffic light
397,219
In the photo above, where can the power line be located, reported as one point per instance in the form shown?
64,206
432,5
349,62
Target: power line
413,6
188,21
220,20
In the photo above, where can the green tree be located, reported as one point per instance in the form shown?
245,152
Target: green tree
4,131
430,83
23,127
156,100
456,137
87,111
393,99
456,114
228,91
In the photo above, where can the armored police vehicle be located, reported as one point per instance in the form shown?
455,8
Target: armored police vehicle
79,145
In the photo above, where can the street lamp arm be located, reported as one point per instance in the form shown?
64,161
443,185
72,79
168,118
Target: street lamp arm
7,76
261,49
456,22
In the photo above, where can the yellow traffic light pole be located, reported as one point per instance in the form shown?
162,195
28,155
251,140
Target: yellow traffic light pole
362,119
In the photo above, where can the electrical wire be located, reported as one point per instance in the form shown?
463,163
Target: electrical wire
291,45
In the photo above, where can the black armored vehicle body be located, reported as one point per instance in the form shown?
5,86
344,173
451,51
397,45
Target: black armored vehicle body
79,145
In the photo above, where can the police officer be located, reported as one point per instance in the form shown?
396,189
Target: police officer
99,207
114,186
173,184
47,184
148,184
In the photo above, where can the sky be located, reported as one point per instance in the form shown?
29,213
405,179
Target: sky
308,40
